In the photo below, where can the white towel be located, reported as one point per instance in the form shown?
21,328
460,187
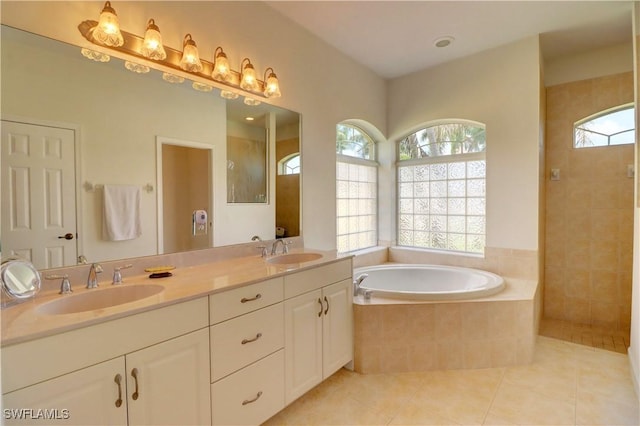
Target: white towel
121,218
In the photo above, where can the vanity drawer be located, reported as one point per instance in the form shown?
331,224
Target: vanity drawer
312,279
252,395
233,303
243,340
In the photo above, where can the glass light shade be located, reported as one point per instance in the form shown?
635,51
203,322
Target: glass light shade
95,56
251,101
172,78
272,87
137,68
221,68
202,87
152,47
248,80
228,94
190,57
107,31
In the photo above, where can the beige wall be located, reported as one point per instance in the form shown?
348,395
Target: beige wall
589,214
500,88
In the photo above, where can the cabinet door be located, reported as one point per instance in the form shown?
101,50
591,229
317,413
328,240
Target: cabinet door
303,343
172,382
84,397
337,328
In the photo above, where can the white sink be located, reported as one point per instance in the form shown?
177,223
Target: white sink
287,259
91,300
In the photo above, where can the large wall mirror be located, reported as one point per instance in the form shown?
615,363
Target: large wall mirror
88,124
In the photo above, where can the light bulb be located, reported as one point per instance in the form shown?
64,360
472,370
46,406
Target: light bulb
107,31
152,47
190,57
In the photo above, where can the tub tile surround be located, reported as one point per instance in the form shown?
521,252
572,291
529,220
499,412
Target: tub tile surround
500,330
564,385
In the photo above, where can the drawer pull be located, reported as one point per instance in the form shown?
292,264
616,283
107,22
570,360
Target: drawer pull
118,380
245,341
326,311
321,307
250,401
245,300
134,374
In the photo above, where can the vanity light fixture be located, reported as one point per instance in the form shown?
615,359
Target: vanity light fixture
107,31
248,79
190,57
271,85
95,56
137,68
221,68
152,47
176,65
251,101
228,94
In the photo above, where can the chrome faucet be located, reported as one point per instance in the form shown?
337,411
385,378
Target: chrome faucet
274,247
92,279
357,282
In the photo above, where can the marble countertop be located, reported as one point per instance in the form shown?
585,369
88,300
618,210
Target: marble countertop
23,322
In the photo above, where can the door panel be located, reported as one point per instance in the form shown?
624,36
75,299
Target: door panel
38,193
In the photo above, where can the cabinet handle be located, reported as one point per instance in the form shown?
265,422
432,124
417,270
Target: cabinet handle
245,300
250,401
245,341
326,311
134,374
118,380
321,307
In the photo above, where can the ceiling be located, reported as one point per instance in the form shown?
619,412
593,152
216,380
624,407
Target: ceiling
394,38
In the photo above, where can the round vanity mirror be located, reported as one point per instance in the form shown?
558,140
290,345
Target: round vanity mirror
20,279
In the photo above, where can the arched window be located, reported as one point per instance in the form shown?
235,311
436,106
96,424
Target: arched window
289,165
356,189
611,127
441,187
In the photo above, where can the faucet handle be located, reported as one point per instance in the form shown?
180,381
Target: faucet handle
117,275
286,245
65,285
263,250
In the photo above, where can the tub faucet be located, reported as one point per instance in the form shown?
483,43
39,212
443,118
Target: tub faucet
357,282
274,247
92,279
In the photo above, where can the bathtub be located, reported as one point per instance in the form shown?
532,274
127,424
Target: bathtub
428,282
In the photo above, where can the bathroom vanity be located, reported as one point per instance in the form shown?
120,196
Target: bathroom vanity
230,342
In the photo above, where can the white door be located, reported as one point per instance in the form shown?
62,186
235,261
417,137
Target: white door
38,194
95,395
337,327
303,343
169,383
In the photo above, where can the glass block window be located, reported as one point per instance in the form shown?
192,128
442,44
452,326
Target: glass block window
290,165
356,190
611,127
442,187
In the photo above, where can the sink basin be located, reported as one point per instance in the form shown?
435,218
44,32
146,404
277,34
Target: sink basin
99,299
287,259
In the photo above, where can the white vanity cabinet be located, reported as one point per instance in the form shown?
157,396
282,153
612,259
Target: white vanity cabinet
247,355
147,369
318,325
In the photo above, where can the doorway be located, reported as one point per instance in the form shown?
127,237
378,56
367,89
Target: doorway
185,195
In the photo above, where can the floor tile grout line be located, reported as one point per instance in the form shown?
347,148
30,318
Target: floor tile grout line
495,394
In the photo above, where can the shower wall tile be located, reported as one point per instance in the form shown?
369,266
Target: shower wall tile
589,211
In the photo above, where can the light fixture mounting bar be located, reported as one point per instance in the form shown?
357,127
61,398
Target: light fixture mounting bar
132,46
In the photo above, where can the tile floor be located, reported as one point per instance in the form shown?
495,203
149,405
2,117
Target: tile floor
598,337
567,384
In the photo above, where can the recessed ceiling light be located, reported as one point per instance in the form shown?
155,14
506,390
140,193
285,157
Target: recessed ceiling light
443,41
249,118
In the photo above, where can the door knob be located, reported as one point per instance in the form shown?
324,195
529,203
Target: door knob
67,236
